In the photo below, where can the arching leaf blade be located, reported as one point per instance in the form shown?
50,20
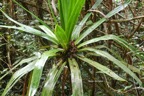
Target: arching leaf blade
52,78
73,15
23,61
77,86
31,30
121,41
61,36
27,29
17,75
101,68
115,61
77,30
48,31
37,72
117,55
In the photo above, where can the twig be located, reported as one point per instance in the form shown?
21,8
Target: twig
140,88
54,7
135,30
126,20
97,11
109,85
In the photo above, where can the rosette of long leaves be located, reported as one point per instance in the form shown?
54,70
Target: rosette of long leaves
70,50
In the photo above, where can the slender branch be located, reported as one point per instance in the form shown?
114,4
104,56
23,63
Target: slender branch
54,6
126,20
135,30
97,11
140,88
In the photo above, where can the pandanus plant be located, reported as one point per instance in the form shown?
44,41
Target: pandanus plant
69,48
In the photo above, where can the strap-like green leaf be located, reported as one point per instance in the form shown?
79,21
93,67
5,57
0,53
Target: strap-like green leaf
17,75
78,28
117,55
23,61
97,39
77,87
47,31
28,29
95,25
61,36
101,68
115,61
52,79
37,72
73,15
122,42
33,31
69,13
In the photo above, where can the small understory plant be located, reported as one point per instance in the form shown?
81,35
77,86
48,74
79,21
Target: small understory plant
70,49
